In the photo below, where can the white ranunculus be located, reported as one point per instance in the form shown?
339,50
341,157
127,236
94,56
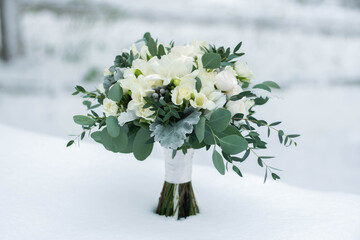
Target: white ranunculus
201,101
110,107
234,91
226,80
243,70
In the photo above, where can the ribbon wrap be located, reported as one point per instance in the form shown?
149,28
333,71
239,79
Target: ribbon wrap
178,170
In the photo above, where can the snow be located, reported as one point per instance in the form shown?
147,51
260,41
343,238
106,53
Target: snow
51,192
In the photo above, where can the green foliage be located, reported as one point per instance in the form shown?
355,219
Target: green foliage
211,60
117,144
218,162
83,120
233,144
115,92
141,148
96,136
220,119
200,129
113,126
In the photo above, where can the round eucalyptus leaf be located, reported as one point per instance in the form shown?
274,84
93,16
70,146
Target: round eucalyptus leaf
220,119
96,136
115,92
113,126
141,148
233,144
117,144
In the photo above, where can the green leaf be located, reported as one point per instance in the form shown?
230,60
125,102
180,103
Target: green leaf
142,150
280,134
241,95
293,135
271,84
198,84
237,47
275,176
152,47
260,162
80,88
233,144
218,162
237,170
83,120
275,123
261,101
200,129
70,143
220,119
96,136
211,60
115,92
265,175
161,51
262,86
114,144
113,126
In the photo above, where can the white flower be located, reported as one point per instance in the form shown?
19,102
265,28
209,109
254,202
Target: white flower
201,101
172,66
101,88
240,106
234,91
184,91
107,72
140,111
243,70
110,107
226,80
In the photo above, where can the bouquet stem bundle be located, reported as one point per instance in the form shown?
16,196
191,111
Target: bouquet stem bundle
177,200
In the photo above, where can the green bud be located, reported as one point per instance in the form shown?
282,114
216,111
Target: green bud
177,82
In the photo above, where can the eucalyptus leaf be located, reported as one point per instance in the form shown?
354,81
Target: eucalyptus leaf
218,162
233,144
114,144
113,126
141,149
115,92
83,120
200,129
96,136
211,60
220,119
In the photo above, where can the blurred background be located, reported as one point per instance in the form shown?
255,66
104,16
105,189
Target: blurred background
310,47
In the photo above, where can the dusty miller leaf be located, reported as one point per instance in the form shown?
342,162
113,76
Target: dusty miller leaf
173,135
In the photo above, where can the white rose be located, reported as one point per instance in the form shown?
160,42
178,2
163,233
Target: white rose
243,70
234,91
226,80
182,92
110,107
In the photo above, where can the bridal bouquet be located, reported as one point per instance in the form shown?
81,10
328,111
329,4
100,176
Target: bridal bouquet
185,98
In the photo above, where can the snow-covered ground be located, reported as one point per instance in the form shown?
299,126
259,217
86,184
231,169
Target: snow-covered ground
88,193
311,49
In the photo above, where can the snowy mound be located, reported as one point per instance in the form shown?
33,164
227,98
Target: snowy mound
50,192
